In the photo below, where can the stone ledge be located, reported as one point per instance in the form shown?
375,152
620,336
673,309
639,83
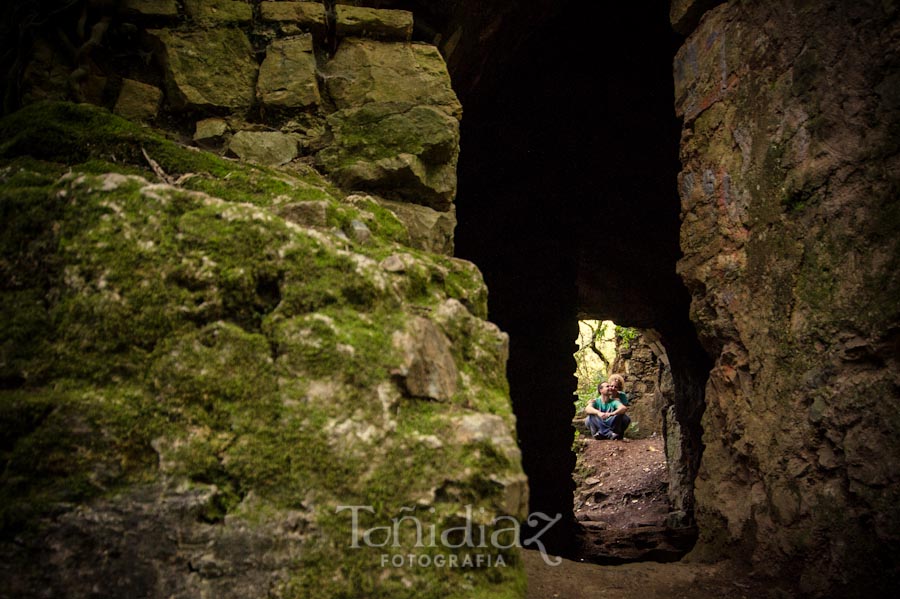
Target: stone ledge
216,12
358,21
352,21
152,8
307,15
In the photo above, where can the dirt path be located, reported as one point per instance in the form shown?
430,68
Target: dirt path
621,501
622,483
646,580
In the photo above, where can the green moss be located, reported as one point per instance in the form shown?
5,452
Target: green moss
78,133
220,362
137,318
70,444
385,224
464,283
336,343
406,470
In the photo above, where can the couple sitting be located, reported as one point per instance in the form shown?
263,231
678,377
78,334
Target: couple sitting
606,414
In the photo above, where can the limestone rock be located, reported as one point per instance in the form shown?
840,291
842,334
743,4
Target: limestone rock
429,229
428,370
138,101
360,231
210,130
229,558
152,8
221,379
405,152
359,21
264,147
287,76
219,11
479,428
307,16
787,304
208,69
364,71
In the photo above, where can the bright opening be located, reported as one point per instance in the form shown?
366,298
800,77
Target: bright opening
622,502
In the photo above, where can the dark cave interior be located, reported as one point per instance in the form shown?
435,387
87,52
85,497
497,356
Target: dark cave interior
568,204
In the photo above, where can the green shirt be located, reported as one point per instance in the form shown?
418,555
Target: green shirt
610,406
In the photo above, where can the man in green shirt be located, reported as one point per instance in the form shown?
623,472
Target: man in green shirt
606,416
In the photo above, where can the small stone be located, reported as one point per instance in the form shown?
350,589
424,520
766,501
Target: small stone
210,129
138,101
393,263
264,147
361,232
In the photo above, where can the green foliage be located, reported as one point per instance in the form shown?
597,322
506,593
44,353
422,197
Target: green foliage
626,335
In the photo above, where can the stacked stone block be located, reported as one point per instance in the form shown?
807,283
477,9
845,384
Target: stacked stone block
268,82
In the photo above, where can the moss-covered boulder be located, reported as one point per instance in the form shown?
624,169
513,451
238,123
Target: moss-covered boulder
195,388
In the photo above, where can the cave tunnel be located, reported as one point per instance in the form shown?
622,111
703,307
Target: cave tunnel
568,204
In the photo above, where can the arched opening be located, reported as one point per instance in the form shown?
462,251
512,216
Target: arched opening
568,203
629,495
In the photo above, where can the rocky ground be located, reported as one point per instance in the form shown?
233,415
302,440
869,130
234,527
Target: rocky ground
580,580
622,504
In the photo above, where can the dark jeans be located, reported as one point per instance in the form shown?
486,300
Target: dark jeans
605,428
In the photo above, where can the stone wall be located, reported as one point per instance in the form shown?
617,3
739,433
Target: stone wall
274,82
643,363
651,390
789,193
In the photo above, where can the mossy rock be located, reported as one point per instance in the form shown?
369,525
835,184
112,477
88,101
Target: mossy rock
184,358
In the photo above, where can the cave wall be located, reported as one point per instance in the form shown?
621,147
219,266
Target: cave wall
789,197
643,363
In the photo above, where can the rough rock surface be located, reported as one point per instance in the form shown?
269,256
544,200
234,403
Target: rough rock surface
219,11
400,151
264,147
790,220
643,363
138,101
364,71
153,8
359,21
197,377
429,229
212,68
287,76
